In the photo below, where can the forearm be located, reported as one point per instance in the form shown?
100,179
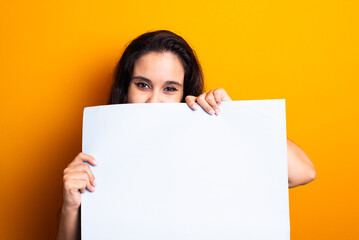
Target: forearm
300,169
69,228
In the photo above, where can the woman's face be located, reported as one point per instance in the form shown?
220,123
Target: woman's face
157,77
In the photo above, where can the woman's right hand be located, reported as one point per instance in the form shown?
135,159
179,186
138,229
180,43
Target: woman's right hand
77,177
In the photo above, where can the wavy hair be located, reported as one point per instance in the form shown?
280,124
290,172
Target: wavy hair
156,41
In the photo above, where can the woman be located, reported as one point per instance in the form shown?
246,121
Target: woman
158,67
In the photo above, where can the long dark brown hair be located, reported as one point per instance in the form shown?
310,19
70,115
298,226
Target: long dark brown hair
157,41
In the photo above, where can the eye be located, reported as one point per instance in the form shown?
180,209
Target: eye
170,89
142,85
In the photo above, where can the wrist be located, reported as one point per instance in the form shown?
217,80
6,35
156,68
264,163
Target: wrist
70,210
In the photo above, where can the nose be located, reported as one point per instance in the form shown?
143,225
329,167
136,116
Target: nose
154,98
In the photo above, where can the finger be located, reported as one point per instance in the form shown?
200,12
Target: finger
217,96
73,186
212,102
204,104
191,102
221,95
71,177
83,157
81,168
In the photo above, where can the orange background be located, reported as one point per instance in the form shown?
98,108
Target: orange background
57,57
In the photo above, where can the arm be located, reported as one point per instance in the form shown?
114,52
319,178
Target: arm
77,177
300,169
69,227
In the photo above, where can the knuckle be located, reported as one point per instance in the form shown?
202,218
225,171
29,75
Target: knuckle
67,178
86,176
217,93
67,183
209,97
83,183
72,162
86,167
73,188
201,97
67,186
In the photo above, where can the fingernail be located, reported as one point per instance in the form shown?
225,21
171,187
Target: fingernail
211,112
217,111
219,103
93,188
94,183
94,162
195,106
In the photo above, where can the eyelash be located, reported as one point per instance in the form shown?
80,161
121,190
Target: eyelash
172,89
140,84
143,85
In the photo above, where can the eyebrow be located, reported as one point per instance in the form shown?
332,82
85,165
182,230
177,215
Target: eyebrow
149,81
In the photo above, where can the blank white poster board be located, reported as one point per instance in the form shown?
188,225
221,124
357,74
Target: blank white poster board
166,172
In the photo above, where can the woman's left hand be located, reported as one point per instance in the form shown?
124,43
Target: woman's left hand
208,101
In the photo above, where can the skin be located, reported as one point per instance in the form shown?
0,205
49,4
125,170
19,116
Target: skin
158,78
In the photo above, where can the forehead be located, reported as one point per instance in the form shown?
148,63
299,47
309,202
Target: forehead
164,66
